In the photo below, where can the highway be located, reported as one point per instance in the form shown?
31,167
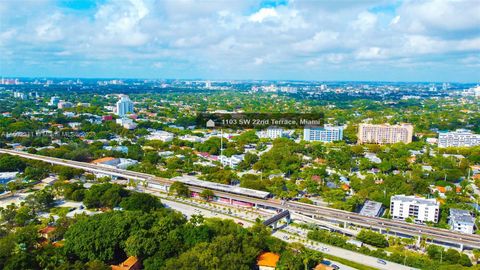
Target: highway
325,213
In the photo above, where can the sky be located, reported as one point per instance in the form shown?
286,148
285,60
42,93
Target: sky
323,40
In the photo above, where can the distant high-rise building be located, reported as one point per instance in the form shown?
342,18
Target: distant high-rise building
208,84
64,104
418,209
458,138
124,106
54,101
323,134
385,134
19,95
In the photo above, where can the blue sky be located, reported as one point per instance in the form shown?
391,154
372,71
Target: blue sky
382,40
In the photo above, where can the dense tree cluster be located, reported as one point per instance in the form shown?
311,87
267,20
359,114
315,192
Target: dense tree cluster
159,237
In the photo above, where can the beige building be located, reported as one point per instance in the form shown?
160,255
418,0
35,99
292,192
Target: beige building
385,134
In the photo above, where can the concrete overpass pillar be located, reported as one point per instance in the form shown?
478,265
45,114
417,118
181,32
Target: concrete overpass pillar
461,247
419,240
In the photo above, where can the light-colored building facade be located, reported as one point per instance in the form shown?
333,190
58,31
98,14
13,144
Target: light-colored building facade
126,123
124,106
385,134
458,138
273,133
323,134
461,221
160,135
418,209
54,101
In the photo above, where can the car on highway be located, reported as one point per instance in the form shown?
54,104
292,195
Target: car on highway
334,266
380,261
324,249
327,263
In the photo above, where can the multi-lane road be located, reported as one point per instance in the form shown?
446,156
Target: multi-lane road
325,213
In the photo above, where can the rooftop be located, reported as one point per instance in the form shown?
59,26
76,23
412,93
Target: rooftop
268,259
371,209
460,215
129,263
103,160
415,199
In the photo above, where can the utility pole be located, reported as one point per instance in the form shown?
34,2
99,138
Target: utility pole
221,146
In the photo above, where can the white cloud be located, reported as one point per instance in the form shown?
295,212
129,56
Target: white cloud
226,36
320,41
365,21
263,14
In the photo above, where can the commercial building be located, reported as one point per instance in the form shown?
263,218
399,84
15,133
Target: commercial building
19,95
160,135
126,123
461,221
418,209
323,134
371,209
118,163
54,101
385,134
458,138
124,106
64,104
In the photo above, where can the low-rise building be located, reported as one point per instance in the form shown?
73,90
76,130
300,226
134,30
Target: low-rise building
272,133
416,208
461,221
160,135
6,177
371,209
119,163
126,123
131,263
267,261
232,161
191,138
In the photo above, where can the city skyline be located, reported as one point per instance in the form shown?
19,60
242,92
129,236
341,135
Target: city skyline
241,40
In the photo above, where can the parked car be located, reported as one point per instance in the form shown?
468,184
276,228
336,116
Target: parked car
380,261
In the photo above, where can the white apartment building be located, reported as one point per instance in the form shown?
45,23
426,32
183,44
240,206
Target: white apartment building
323,134
124,106
126,123
385,133
458,138
418,209
232,161
461,221
271,133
